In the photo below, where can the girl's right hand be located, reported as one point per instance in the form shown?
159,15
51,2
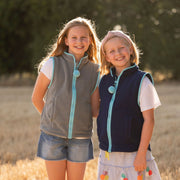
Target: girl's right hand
39,91
140,162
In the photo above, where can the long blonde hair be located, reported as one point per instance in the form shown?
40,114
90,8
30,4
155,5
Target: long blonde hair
134,58
58,48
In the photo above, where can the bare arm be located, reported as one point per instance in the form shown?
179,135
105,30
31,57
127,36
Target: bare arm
39,91
95,101
147,130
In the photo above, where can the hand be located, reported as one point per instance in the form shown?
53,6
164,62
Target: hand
140,162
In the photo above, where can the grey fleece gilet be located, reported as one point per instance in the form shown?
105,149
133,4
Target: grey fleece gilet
67,110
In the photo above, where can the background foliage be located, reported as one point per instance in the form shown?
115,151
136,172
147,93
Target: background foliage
27,28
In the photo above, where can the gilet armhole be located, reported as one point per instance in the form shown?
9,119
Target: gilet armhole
139,91
52,73
97,82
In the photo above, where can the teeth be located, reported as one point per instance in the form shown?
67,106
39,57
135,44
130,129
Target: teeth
119,59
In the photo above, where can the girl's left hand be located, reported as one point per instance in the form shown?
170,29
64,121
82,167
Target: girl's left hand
140,162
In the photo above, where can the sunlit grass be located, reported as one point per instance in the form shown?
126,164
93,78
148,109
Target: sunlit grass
35,170
19,134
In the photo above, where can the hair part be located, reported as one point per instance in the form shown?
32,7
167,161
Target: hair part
134,58
58,48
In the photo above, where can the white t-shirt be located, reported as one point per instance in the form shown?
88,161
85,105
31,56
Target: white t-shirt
148,98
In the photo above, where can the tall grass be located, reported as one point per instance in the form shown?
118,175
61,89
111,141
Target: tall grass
19,123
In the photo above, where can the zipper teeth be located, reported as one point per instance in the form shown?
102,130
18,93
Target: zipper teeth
110,109
73,101
109,120
72,108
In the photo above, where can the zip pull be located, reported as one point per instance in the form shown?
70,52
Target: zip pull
76,73
107,155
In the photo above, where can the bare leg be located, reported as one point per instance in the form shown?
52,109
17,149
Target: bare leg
56,169
75,170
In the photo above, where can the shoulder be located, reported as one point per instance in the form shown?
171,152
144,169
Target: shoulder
104,78
47,65
93,68
146,82
47,68
49,62
144,74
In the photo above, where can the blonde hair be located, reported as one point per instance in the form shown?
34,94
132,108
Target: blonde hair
58,48
134,58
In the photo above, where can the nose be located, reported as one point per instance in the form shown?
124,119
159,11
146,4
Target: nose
79,40
118,52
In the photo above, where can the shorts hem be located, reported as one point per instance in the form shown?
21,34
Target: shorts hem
51,159
80,161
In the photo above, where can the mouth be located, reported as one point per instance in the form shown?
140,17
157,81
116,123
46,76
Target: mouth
120,59
79,47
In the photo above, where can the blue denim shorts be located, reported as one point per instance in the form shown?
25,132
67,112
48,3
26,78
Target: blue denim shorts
55,148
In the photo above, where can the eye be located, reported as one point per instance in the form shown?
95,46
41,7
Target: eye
111,52
122,47
83,38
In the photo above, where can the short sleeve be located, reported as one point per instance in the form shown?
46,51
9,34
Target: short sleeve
47,68
148,96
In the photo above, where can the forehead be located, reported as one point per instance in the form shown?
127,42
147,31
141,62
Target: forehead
77,30
115,41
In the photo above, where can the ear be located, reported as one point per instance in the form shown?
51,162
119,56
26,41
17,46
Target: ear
90,40
131,50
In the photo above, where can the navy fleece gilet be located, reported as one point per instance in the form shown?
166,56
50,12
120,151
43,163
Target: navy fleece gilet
120,119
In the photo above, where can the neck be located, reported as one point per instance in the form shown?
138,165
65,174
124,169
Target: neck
118,71
78,58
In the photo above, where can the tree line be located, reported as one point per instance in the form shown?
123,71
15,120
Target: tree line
27,28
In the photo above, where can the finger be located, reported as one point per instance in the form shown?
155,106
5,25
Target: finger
140,173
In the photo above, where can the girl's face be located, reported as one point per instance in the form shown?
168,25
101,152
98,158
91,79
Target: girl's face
78,41
118,52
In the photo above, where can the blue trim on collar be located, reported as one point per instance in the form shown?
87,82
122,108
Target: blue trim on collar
130,67
75,58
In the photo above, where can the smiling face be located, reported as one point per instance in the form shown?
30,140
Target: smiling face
78,41
117,52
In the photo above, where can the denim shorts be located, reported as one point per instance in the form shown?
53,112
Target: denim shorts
55,148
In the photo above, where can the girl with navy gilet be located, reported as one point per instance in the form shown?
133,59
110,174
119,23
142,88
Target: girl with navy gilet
126,118
67,97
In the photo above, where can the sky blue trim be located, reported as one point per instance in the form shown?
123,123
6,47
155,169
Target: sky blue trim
97,82
152,80
111,72
111,107
73,100
74,58
52,73
139,91
73,105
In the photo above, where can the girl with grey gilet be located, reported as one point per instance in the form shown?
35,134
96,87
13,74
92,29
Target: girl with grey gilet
67,97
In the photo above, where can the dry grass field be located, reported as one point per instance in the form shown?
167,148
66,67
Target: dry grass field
19,131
